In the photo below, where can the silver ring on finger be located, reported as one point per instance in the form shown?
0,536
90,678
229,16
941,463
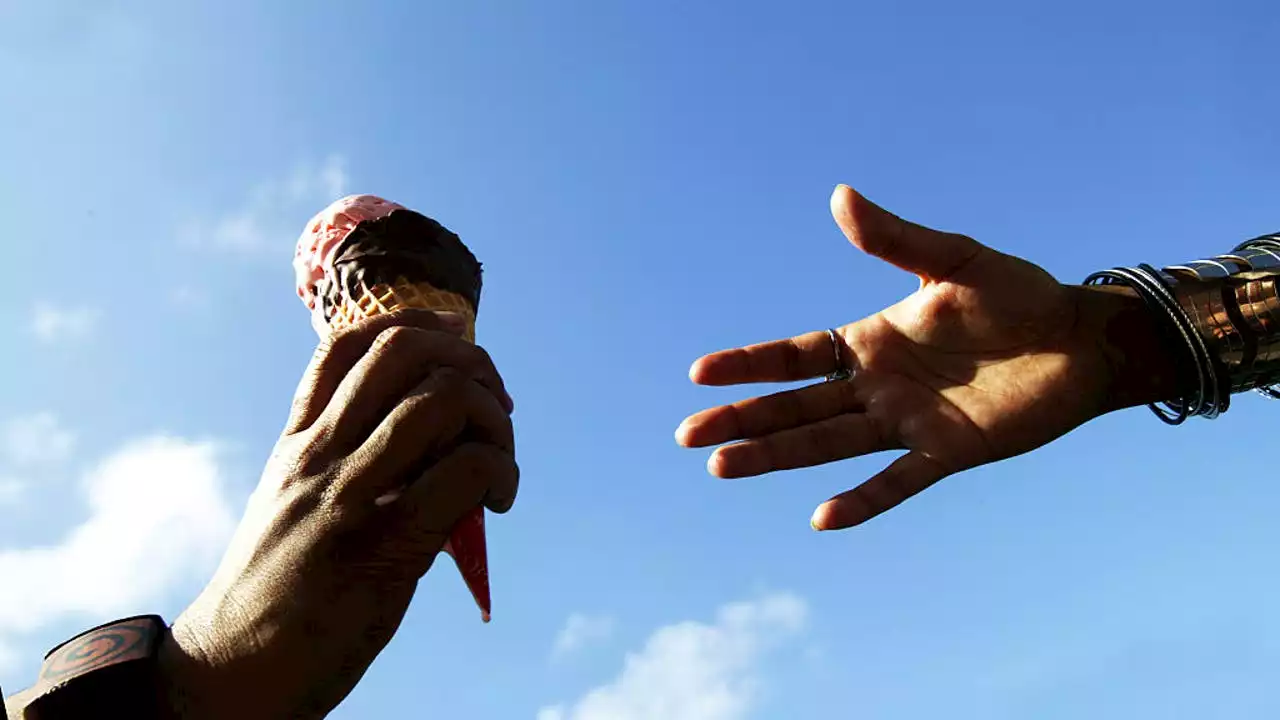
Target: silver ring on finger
842,371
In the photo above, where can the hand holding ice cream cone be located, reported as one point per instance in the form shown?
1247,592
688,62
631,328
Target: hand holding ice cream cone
319,573
364,257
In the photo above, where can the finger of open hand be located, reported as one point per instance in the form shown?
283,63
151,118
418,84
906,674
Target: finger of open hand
445,410
928,253
797,358
768,414
336,355
837,438
398,360
904,478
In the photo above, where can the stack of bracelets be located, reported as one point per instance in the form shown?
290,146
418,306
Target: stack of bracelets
1220,319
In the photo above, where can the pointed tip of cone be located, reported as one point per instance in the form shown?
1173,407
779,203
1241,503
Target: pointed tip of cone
467,546
484,616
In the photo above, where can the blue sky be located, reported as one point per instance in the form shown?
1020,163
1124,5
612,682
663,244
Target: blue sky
645,182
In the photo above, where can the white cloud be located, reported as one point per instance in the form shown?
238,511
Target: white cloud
34,440
579,631
53,324
693,670
158,516
273,213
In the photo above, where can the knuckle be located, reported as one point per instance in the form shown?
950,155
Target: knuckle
865,495
394,338
766,453
738,420
425,400
297,479
345,342
304,456
417,404
306,486
792,357
339,498
441,404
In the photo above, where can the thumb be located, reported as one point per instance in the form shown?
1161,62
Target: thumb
931,254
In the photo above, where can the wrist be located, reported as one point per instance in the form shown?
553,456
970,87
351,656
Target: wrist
1140,369
186,678
206,673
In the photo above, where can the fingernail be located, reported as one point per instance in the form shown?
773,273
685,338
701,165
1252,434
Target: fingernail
681,433
813,519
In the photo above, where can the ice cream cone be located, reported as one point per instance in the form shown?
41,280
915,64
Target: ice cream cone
466,543
362,257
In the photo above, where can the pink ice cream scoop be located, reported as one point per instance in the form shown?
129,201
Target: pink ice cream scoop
325,232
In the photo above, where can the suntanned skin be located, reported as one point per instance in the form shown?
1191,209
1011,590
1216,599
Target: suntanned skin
318,577
15,704
990,358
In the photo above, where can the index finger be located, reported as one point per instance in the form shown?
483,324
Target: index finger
337,354
796,358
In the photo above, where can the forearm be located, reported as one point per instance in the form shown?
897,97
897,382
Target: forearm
1211,329
1139,366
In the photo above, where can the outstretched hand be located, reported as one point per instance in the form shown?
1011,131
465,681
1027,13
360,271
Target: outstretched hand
991,357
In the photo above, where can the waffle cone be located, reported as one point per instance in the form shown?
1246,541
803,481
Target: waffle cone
466,543
400,295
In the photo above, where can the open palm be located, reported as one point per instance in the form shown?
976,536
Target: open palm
990,358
